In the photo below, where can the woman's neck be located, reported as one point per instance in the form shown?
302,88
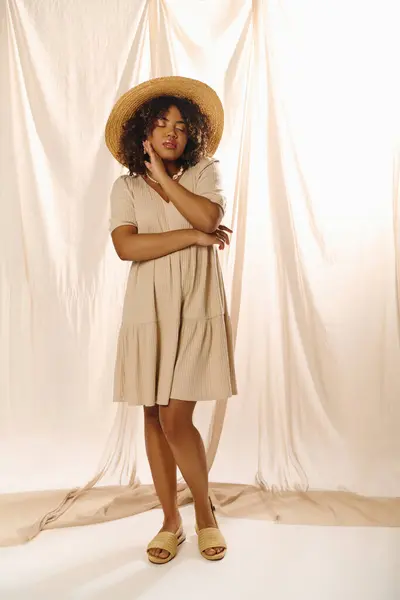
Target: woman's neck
171,167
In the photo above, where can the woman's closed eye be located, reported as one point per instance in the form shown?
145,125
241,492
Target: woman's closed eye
163,123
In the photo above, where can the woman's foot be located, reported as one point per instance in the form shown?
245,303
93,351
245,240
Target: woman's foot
206,519
174,526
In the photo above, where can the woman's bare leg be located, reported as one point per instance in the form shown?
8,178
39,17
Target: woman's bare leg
163,470
189,453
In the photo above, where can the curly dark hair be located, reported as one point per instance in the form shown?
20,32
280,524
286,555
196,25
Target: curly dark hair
138,127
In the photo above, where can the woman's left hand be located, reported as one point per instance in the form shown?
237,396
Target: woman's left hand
156,166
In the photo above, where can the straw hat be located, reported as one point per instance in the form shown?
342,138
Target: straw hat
181,87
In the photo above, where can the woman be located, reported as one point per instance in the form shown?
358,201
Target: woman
174,345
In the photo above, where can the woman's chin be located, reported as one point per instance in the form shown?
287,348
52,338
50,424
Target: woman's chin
169,155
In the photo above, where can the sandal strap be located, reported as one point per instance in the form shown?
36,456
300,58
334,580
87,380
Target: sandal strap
164,541
211,537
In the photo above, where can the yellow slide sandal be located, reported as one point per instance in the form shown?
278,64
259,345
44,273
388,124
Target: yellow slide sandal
166,541
211,537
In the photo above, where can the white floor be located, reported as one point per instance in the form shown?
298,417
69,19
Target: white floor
268,561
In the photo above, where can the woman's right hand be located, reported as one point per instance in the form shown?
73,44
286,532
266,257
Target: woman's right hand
219,238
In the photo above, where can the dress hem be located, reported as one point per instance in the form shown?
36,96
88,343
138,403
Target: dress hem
132,404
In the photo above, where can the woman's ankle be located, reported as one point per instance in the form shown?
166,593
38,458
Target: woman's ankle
204,513
172,518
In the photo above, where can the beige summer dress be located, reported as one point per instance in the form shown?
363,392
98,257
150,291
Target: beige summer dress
175,338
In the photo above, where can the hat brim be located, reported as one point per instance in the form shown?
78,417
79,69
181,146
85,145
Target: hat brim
182,87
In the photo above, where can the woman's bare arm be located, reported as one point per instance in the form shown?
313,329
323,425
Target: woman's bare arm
201,213
132,246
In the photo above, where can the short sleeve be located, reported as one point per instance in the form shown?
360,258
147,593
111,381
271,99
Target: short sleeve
209,182
122,207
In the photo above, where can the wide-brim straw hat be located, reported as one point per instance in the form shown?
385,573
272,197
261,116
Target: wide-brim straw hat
182,87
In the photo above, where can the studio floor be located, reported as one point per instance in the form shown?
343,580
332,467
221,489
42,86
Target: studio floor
265,560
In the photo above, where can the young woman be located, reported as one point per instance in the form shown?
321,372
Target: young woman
174,345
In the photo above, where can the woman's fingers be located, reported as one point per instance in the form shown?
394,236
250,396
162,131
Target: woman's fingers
224,236
224,232
225,228
220,241
148,148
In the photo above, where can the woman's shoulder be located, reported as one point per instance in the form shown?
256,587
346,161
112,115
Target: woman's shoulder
125,182
126,179
205,163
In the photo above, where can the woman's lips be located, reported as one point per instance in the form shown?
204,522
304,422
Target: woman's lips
170,145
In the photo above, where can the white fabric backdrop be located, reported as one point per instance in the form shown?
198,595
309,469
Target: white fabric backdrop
312,173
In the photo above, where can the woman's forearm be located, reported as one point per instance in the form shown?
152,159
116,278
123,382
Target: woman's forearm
201,213
149,246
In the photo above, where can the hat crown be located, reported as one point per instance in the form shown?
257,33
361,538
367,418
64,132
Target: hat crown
182,87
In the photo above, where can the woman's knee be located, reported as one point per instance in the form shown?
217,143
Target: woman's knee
152,415
174,419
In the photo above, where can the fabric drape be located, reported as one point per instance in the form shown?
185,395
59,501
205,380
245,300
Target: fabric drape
310,162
